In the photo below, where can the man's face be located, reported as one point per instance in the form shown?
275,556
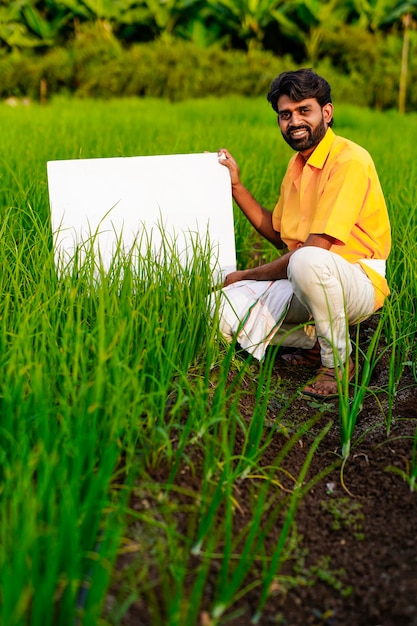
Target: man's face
303,124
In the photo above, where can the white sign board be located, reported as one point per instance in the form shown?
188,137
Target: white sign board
134,199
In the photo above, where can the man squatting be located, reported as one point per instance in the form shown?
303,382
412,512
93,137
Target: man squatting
332,218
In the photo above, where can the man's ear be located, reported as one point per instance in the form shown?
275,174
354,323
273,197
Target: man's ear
328,112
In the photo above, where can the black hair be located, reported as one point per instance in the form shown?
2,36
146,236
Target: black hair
299,85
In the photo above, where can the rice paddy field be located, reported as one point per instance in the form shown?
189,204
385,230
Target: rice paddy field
149,474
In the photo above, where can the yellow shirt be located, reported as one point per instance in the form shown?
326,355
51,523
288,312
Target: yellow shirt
336,192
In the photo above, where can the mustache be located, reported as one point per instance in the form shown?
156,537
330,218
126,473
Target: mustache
291,129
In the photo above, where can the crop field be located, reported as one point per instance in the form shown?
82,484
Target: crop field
149,474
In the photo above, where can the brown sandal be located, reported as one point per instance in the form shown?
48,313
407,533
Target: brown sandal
303,358
326,381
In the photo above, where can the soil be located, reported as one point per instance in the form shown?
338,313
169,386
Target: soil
361,533
355,558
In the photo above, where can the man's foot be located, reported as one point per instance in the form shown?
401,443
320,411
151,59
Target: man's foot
303,358
325,383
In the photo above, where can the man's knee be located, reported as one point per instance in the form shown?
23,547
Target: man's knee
307,265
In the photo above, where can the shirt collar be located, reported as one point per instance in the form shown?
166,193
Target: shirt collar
318,157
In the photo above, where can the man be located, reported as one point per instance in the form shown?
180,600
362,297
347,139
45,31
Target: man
332,218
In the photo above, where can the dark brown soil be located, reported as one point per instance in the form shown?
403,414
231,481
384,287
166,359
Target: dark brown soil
358,539
355,557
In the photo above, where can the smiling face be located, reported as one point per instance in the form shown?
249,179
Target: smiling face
303,124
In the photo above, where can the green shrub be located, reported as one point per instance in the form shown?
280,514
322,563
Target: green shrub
19,75
98,60
176,70
372,63
182,70
57,69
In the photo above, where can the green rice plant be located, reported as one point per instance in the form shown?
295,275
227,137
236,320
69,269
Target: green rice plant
239,552
350,407
74,340
402,304
177,593
295,498
409,473
399,345
56,496
383,343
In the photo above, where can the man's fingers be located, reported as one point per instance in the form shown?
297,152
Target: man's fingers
224,155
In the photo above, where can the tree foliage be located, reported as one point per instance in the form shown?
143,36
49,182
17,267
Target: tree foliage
306,29
25,23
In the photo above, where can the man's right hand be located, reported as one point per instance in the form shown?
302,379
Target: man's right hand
226,159
260,218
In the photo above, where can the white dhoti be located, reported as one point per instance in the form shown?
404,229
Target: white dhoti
321,286
253,310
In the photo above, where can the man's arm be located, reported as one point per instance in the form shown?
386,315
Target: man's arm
277,269
258,216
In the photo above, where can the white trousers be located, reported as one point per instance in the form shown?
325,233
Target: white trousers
331,292
327,291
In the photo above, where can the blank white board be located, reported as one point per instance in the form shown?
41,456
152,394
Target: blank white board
134,199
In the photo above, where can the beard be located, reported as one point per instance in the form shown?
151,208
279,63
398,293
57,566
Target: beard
313,137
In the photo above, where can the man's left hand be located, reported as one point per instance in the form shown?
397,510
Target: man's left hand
234,277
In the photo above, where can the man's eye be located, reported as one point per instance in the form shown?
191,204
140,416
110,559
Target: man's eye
284,116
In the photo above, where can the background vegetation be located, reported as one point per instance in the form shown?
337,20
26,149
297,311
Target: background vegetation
192,48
